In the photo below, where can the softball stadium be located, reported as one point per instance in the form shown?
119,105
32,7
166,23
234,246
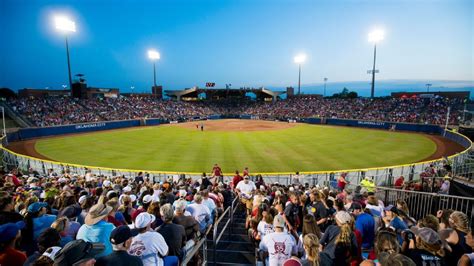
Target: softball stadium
268,172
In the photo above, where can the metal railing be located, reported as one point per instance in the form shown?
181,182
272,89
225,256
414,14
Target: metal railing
215,237
202,243
421,204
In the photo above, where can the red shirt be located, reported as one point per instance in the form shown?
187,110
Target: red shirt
236,180
217,171
12,257
399,182
341,184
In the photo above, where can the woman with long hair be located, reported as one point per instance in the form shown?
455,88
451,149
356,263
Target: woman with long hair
36,220
338,241
459,222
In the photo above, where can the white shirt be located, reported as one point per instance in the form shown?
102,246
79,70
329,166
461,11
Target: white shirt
201,213
264,229
147,246
246,188
280,246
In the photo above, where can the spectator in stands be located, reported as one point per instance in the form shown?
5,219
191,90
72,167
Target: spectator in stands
342,182
200,213
236,179
392,220
265,226
385,241
78,253
278,246
312,255
429,221
9,234
245,191
121,239
48,238
209,203
338,241
400,182
71,213
365,224
468,258
459,222
174,234
62,226
36,221
96,229
191,226
149,245
426,248
292,214
7,211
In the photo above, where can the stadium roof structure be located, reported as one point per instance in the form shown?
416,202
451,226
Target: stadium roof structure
195,93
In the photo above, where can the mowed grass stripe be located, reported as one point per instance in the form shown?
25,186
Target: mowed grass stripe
300,148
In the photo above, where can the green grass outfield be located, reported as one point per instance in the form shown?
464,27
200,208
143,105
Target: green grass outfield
300,148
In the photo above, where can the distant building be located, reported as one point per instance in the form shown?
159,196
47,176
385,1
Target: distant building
432,94
29,92
195,93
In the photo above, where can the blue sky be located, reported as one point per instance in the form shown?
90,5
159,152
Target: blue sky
245,43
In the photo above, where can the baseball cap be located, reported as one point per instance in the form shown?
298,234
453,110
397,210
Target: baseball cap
82,199
279,221
37,206
147,199
71,211
144,219
427,234
127,189
106,183
355,206
51,252
343,217
10,230
76,251
391,208
122,234
182,193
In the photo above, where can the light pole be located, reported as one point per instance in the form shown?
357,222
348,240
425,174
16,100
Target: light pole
325,80
375,36
66,25
428,85
154,55
299,59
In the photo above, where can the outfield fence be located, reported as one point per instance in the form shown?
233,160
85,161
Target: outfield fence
462,165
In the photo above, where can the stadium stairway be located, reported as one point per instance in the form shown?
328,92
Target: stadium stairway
234,247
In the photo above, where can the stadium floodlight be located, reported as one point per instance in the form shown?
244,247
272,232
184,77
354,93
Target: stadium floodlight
375,36
66,25
154,55
299,59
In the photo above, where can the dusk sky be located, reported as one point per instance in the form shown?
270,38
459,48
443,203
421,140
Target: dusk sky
245,43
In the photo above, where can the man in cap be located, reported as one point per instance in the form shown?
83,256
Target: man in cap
149,245
245,189
121,239
78,253
96,228
279,245
9,234
427,247
393,221
365,223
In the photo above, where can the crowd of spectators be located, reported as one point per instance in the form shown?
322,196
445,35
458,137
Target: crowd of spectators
310,225
68,219
62,111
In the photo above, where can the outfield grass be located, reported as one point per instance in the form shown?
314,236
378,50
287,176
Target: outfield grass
300,148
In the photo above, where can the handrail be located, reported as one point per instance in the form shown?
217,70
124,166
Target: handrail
216,238
231,174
